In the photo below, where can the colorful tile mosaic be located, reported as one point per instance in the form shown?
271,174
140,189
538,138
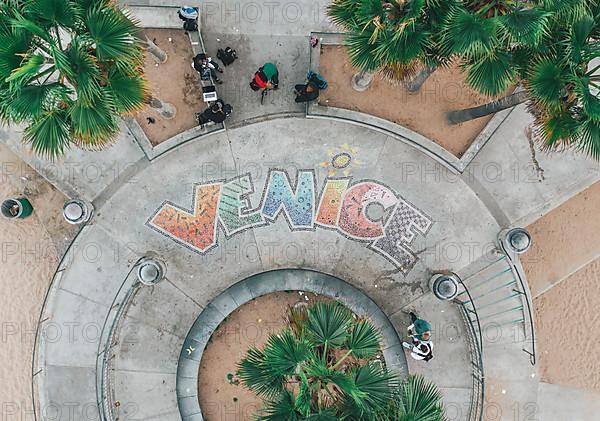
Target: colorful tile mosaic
342,206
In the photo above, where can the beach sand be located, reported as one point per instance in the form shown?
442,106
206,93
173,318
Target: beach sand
29,252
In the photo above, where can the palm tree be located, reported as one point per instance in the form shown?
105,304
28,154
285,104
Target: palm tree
395,38
560,82
327,365
68,70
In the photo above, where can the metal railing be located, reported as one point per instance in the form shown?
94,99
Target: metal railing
475,339
525,297
108,340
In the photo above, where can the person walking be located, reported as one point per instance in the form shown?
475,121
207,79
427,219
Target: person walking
420,351
419,329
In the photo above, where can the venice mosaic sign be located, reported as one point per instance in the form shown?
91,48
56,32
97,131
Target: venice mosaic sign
365,210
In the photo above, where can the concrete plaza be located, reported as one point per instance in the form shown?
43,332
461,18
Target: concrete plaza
441,220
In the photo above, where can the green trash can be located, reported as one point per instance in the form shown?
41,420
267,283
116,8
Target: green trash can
15,208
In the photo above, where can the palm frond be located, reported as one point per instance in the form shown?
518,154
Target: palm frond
328,324
467,34
364,339
112,32
129,92
284,353
491,74
419,400
254,375
49,134
51,12
281,408
524,27
546,82
14,44
94,124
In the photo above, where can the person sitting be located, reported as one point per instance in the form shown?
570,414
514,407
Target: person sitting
217,113
267,77
207,67
307,92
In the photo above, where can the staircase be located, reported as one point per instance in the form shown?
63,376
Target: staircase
495,299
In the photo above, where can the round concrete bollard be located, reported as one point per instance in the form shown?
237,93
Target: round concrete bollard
517,240
150,272
15,208
444,286
77,212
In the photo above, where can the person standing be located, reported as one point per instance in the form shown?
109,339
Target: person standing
419,329
267,77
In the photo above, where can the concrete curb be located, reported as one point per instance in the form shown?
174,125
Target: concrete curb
420,142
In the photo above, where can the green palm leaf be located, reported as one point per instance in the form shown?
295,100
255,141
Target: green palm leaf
52,12
30,67
419,400
85,73
328,324
94,124
29,103
281,408
467,34
588,137
256,377
525,27
342,13
112,31
547,81
13,45
372,388
49,134
129,92
492,74
284,353
361,51
363,340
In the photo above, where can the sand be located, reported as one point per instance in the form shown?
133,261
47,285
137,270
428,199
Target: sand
174,82
423,112
29,258
249,325
563,271
561,243
567,320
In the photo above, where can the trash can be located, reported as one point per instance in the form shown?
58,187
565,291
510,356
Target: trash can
15,208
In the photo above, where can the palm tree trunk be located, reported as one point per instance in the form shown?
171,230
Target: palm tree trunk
165,109
415,84
460,116
361,81
159,55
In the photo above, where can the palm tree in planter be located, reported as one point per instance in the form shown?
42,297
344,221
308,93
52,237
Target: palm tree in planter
560,81
68,70
395,37
326,366
498,41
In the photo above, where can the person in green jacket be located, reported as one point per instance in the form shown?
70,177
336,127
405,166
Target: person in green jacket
267,77
419,329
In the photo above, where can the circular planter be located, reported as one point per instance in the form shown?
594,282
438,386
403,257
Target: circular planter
261,284
15,208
